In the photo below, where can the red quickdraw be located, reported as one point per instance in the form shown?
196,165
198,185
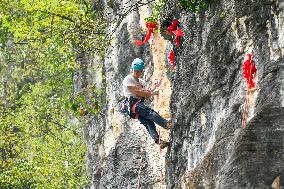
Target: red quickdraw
249,73
174,30
151,26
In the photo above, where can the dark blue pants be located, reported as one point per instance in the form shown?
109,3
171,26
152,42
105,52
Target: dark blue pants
148,117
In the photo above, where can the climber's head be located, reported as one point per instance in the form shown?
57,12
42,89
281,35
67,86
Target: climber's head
137,66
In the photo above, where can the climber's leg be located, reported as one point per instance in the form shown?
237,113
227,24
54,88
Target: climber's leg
151,128
150,114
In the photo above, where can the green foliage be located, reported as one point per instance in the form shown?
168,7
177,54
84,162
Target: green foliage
42,144
151,19
223,14
19,176
158,4
82,102
37,21
157,8
194,5
190,5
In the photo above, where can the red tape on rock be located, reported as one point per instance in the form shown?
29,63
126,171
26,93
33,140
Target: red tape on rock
151,26
171,59
174,30
249,73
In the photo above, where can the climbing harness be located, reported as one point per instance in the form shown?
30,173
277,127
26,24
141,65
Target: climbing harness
249,73
128,105
133,112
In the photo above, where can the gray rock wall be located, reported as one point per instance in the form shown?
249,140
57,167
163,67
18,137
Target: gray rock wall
210,149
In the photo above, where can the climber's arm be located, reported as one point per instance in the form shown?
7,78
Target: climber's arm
140,92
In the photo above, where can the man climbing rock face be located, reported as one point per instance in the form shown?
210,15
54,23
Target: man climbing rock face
135,92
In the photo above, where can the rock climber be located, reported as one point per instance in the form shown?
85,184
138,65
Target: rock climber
135,92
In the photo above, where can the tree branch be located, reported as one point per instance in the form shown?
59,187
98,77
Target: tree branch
59,15
122,16
86,4
51,24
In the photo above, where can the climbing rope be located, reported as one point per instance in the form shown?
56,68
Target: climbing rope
139,172
161,170
141,160
157,83
142,139
245,112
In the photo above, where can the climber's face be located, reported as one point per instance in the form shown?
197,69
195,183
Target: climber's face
137,73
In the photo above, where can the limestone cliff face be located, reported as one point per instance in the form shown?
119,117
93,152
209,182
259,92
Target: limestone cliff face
210,148
206,94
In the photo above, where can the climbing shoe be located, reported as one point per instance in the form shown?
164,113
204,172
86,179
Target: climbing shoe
163,144
169,124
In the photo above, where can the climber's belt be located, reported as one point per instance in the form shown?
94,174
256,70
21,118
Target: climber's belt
133,101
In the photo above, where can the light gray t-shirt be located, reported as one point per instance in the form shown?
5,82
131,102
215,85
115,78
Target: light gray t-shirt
131,81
